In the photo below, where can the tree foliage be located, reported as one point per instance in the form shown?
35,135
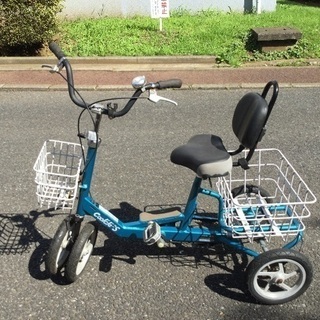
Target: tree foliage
27,23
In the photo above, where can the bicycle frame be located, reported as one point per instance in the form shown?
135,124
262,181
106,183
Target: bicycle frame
177,228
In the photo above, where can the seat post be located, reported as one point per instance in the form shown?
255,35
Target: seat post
192,202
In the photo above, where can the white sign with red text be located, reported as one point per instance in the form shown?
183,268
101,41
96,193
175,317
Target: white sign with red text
159,8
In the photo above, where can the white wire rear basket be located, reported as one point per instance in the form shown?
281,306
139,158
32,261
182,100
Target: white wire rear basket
57,174
268,200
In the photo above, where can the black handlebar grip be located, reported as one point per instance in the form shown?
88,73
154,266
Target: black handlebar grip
166,84
55,49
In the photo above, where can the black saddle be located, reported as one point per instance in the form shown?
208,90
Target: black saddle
206,155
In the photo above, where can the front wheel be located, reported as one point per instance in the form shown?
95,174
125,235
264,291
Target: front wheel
61,245
81,252
279,276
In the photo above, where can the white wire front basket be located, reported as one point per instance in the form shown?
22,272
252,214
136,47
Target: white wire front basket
57,174
268,200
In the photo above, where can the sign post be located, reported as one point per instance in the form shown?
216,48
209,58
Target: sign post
159,10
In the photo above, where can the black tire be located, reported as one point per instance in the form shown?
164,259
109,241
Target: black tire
279,276
61,245
251,190
81,252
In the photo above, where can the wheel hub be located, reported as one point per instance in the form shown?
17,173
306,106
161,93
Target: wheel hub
279,281
279,278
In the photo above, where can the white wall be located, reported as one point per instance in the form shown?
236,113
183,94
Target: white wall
74,8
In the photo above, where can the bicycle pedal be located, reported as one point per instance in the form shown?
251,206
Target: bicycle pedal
152,233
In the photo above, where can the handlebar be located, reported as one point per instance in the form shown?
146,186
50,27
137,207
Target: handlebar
167,84
56,50
64,62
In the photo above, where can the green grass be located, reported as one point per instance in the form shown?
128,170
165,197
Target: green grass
224,35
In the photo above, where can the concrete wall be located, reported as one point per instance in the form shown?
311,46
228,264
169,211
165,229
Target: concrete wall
74,8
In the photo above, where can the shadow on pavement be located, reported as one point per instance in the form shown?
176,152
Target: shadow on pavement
231,284
19,234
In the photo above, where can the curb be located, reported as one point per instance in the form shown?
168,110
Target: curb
36,87
112,59
114,63
171,60
197,72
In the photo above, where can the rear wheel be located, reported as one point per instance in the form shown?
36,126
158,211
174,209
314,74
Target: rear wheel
81,252
61,245
279,276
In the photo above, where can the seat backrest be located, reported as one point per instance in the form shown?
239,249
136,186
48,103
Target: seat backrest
251,115
249,119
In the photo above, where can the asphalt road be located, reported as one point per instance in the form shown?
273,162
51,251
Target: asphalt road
125,279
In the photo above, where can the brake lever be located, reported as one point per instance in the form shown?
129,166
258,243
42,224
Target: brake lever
54,69
153,96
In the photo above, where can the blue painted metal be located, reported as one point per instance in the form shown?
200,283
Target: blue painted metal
295,241
175,229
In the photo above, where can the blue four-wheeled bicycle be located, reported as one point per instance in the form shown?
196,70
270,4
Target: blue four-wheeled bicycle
260,198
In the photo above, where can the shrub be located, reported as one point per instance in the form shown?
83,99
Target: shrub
27,24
